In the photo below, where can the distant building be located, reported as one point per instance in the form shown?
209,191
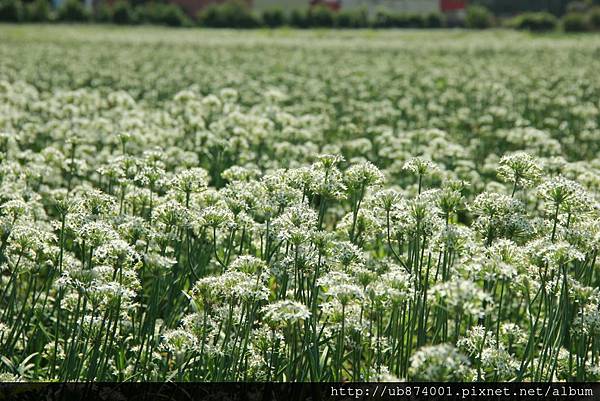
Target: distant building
454,9
334,5
449,7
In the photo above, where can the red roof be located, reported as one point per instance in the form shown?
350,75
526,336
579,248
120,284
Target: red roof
452,5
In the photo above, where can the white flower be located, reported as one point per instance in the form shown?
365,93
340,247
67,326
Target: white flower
179,341
363,175
285,312
462,297
519,168
440,363
296,224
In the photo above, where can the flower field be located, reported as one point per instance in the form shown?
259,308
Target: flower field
196,205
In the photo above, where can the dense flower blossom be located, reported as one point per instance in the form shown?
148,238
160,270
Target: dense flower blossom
439,363
285,312
169,213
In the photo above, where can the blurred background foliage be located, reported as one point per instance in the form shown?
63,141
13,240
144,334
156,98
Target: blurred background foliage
532,15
